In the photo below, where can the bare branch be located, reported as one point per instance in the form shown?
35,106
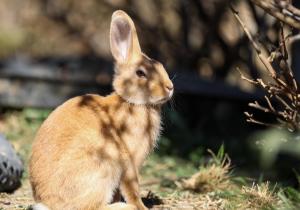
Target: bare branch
283,88
270,104
256,105
251,120
283,102
246,78
281,10
263,59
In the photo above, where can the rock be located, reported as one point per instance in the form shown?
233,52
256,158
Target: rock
11,167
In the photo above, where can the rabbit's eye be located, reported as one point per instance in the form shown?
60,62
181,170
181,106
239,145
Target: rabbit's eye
140,73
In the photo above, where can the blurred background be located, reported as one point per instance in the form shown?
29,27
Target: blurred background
52,50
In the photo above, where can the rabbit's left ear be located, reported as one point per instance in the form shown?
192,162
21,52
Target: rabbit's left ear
124,43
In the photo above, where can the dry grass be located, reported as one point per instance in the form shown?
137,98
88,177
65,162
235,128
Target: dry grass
258,196
188,200
217,190
210,178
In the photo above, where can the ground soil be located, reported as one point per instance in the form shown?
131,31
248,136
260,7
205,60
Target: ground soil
22,199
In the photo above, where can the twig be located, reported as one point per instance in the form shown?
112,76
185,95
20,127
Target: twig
256,105
263,59
251,120
283,102
287,14
270,104
246,78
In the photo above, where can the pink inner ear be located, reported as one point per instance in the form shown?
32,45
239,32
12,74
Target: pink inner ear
121,36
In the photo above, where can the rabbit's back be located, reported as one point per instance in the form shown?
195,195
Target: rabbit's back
68,168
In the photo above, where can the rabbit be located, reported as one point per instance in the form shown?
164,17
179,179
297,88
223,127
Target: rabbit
90,147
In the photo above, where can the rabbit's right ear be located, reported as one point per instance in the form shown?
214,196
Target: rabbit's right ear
124,42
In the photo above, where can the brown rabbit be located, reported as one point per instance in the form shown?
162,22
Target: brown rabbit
92,146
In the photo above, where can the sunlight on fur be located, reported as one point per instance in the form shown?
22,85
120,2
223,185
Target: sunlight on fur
91,146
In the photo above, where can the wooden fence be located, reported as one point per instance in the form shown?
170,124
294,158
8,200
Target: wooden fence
49,82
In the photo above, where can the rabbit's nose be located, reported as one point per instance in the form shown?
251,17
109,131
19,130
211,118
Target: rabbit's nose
170,87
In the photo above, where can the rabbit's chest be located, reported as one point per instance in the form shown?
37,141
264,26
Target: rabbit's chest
141,131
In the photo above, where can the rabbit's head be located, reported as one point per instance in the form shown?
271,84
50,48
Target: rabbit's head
138,79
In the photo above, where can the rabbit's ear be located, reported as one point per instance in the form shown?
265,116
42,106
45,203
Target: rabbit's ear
124,42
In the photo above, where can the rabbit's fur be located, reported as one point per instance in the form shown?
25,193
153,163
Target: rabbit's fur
91,146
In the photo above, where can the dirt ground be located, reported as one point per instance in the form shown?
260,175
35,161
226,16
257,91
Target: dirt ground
22,199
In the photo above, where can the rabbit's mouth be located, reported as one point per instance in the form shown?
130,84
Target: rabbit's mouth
165,99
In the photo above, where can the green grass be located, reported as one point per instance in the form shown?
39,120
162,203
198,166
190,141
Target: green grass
20,127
